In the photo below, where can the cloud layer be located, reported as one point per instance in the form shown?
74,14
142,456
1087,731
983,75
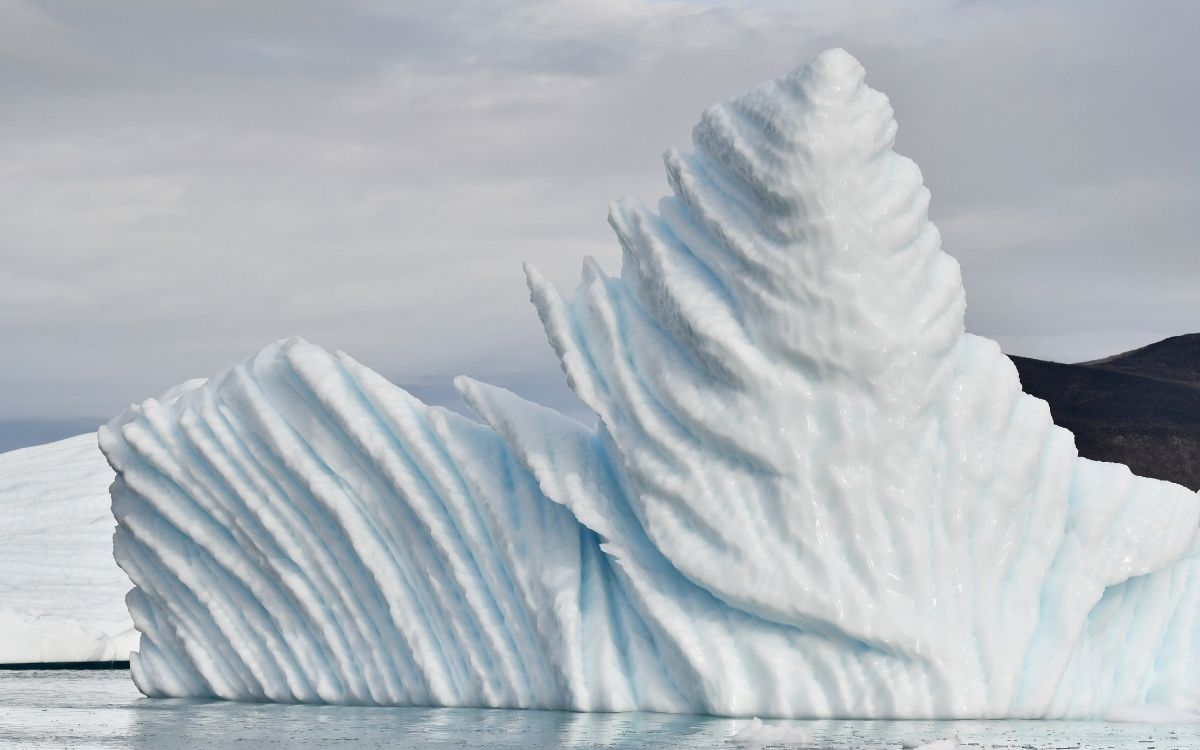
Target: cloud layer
186,182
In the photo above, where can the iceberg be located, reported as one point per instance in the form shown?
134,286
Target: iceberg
808,492
60,591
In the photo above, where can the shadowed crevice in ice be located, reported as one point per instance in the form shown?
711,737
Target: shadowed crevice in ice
809,492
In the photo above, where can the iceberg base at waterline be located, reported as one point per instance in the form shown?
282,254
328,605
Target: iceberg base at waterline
808,492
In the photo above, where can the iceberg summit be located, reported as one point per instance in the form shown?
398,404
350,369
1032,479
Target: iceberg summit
808,492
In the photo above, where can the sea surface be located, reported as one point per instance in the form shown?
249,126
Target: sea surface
102,709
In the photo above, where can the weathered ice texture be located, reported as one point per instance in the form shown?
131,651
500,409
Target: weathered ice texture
808,492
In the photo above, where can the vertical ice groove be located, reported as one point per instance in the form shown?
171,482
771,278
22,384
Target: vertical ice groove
471,546
396,473
291,460
234,576
178,676
524,660
293,521
252,500
277,603
425,620
445,598
331,477
327,383
808,493
173,579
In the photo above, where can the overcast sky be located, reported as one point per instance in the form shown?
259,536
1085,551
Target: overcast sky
185,182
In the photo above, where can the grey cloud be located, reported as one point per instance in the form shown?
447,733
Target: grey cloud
186,182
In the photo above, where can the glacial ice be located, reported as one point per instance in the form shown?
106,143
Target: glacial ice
809,493
60,591
756,733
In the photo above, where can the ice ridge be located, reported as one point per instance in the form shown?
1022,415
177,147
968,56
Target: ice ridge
809,493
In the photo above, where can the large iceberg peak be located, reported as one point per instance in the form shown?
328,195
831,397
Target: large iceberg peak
773,362
808,492
813,223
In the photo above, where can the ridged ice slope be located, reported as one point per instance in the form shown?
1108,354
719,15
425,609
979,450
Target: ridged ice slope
809,492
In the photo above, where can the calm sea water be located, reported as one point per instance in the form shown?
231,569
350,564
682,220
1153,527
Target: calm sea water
103,710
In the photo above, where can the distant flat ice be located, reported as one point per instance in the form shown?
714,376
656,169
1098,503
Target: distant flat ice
62,597
809,492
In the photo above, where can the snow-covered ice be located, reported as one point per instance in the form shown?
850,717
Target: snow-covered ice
61,594
809,492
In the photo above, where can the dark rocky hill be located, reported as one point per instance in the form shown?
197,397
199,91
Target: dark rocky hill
1140,408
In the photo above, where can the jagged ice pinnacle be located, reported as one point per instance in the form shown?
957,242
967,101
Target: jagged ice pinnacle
809,492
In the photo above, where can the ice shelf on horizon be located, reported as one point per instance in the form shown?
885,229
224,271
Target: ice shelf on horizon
60,591
808,493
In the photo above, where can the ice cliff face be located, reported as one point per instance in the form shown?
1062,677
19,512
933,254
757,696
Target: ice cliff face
809,492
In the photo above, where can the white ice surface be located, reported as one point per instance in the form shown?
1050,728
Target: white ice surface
62,597
756,732
809,494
